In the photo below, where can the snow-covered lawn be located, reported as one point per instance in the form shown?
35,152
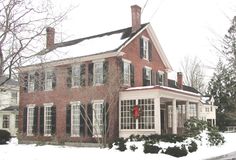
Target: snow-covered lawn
14,151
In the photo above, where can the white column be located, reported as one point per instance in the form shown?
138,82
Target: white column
187,110
198,110
157,115
174,126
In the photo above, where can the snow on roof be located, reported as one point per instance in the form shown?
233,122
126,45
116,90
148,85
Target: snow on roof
162,87
85,47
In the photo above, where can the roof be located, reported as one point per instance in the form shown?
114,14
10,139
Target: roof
11,108
173,84
8,82
96,44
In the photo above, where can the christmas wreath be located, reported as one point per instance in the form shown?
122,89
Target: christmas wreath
136,111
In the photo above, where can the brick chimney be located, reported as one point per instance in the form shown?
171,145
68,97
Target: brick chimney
136,17
180,80
50,37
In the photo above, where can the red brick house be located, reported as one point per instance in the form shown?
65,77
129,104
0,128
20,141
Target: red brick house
112,84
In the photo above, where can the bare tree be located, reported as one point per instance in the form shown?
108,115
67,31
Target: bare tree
22,26
193,73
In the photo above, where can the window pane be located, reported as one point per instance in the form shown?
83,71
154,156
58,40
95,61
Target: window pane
47,121
127,119
146,120
75,120
30,120
98,73
6,121
98,119
126,73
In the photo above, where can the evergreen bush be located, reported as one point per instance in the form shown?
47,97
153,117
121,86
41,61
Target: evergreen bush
192,147
176,151
214,137
120,142
150,148
5,136
133,147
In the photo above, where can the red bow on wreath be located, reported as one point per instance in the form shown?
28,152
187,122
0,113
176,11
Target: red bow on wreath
136,111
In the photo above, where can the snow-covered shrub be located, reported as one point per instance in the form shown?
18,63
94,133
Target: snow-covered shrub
150,148
176,151
120,142
136,138
193,127
172,138
192,147
5,136
214,137
133,147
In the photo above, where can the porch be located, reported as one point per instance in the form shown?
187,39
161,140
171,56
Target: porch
162,110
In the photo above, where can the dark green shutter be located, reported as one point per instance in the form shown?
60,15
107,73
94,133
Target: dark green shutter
25,119
157,78
90,119
141,48
69,77
53,120
82,120
35,122
144,77
36,81
105,72
42,81
41,127
54,80
68,119
105,118
132,75
82,75
25,81
149,50
90,74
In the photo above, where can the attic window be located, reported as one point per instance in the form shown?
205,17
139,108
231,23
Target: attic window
145,49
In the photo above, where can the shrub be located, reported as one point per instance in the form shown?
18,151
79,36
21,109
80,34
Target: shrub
120,142
172,138
214,137
193,127
5,136
150,148
192,147
133,147
176,151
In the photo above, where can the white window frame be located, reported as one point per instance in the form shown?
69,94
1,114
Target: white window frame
145,48
75,128
147,119
30,119
31,82
98,75
74,77
6,122
149,69
47,119
126,74
98,118
170,115
48,80
161,76
14,97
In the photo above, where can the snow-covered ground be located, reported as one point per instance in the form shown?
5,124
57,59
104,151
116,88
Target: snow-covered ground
14,151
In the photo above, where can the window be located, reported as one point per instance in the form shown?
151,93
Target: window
146,120
76,76
97,118
127,120
148,76
30,120
48,80
126,72
145,48
47,119
192,110
98,73
75,119
161,78
170,116
31,82
5,121
14,97
16,121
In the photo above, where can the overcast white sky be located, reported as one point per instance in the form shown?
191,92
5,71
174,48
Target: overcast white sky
183,27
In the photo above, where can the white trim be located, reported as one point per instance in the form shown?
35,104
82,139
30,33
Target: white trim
98,60
75,103
72,104
126,60
48,104
146,67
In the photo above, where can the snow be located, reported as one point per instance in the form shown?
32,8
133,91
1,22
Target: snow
14,151
86,47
